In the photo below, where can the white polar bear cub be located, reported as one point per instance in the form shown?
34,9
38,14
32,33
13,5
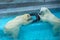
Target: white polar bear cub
47,16
12,27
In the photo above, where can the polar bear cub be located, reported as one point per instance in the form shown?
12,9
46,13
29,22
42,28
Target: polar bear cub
47,16
12,27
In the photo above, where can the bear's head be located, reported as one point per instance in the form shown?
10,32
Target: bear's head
26,19
44,14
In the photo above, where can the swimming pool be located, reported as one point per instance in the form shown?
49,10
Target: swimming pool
35,31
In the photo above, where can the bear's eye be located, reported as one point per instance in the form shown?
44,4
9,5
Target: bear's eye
41,13
28,15
46,11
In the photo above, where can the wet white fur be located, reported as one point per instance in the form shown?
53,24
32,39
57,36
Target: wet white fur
12,27
47,16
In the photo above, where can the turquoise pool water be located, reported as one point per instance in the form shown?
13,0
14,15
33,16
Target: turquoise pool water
35,31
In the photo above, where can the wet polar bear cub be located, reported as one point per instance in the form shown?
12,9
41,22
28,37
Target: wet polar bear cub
47,16
12,27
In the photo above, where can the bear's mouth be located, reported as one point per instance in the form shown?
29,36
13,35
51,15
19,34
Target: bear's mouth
29,19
